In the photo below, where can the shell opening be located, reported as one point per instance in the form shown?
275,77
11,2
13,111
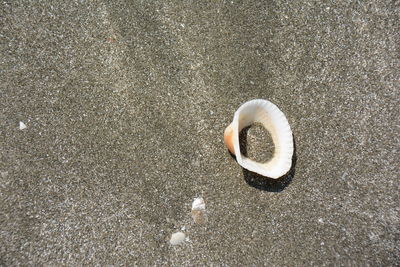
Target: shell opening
275,122
256,143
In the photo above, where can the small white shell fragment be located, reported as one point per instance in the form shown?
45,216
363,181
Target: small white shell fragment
177,238
199,210
273,119
198,204
22,125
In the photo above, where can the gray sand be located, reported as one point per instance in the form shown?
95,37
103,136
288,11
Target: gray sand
125,106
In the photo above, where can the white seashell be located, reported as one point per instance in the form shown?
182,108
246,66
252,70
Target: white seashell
177,238
199,210
22,125
269,115
198,204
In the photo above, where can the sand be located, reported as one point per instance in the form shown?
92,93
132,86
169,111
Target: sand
125,106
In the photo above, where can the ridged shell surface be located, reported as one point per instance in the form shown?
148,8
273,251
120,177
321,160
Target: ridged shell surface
272,118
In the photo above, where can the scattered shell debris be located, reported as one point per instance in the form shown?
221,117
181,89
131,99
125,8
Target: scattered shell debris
199,210
177,238
22,125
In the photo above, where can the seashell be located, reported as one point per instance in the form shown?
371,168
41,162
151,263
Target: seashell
199,210
198,204
273,119
22,125
177,238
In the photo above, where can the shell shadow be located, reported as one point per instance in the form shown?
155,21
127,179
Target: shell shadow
261,182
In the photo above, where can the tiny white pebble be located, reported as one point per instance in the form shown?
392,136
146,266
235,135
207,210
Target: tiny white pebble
320,220
177,238
22,125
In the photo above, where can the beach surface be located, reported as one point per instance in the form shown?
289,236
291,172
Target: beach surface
123,107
